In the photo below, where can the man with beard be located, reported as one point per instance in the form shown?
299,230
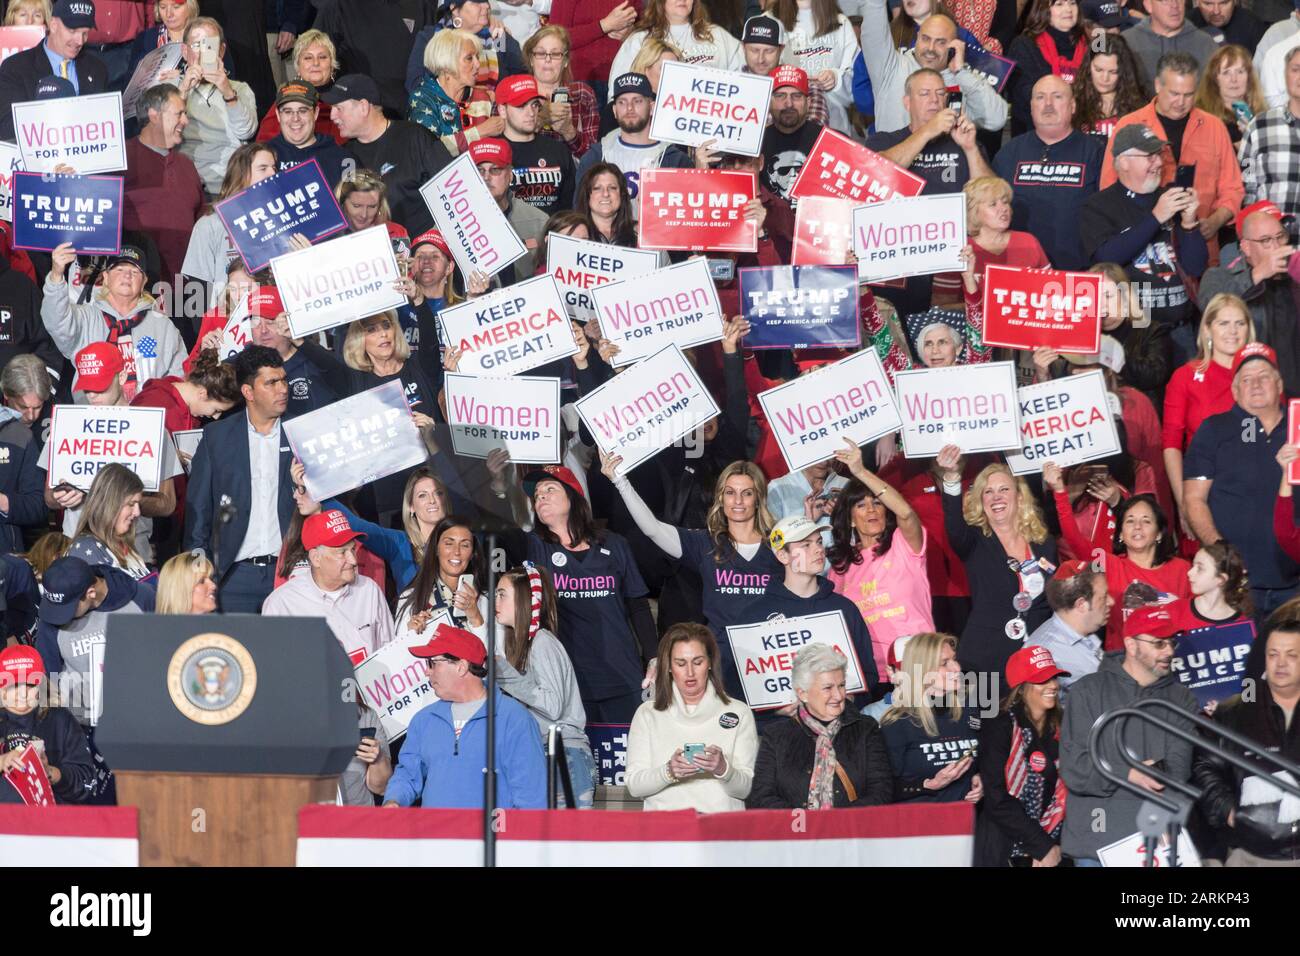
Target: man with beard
543,166
494,159
790,138
297,107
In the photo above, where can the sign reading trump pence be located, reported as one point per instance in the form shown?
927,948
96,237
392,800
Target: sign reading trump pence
579,266
643,410
510,330
971,406
695,104
356,440
1032,308
262,218
673,306
338,281
764,655
843,169
1065,421
51,209
909,237
478,232
696,210
85,132
520,414
85,438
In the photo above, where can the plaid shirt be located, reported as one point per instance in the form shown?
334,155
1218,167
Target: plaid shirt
1270,159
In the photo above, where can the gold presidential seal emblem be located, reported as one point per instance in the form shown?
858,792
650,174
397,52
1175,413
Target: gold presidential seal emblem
212,679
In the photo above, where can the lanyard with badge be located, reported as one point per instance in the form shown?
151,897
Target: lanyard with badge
1030,577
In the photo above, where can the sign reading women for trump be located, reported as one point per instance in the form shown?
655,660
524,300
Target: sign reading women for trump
84,210
764,655
1065,421
338,281
1033,308
520,414
85,132
971,406
910,237
695,104
478,232
356,440
262,218
839,167
1211,661
579,266
11,161
801,307
85,438
811,415
510,330
696,210
647,408
677,305
393,683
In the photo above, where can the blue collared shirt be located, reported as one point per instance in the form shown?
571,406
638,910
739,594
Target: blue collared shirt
1080,654
56,64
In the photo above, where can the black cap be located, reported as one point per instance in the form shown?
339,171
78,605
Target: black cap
130,255
75,14
632,83
64,583
354,86
1106,13
765,30
1136,136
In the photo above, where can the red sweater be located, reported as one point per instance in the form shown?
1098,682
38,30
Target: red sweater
591,51
159,393
1190,398
163,198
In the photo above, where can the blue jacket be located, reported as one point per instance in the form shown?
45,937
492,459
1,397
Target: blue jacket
389,543
443,771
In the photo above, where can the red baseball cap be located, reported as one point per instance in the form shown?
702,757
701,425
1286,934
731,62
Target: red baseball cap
1253,350
329,529
1264,206
552,473
787,75
491,151
1154,620
454,642
1032,665
433,238
265,302
1068,569
19,664
97,365
894,656
518,90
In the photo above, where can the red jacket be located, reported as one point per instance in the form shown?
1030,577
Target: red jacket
159,393
120,21
591,51
1191,397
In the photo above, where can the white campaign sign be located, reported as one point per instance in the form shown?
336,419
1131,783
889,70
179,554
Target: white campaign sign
187,442
764,655
677,305
83,131
510,330
641,411
915,236
11,161
338,280
1131,852
698,103
579,266
971,406
478,232
811,415
392,681
1065,421
85,438
520,414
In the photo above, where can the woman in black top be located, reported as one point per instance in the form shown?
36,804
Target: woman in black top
604,199
1053,43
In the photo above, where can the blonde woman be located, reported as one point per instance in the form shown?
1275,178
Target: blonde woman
363,197
106,532
27,13
315,61
998,532
449,101
988,220
185,586
686,25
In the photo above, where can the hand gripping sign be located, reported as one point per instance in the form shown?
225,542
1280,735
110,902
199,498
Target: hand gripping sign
478,232
971,406
511,330
695,104
677,305
841,168
1042,308
1066,421
765,652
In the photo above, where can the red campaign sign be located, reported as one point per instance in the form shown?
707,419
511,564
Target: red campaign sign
1042,308
697,210
17,39
823,232
30,780
839,167
1293,438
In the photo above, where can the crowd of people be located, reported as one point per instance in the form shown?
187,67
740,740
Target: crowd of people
990,618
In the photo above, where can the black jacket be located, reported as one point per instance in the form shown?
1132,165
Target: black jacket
21,72
785,763
1004,821
1255,829
65,748
21,329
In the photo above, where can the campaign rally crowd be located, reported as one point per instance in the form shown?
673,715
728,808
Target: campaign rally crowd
986,616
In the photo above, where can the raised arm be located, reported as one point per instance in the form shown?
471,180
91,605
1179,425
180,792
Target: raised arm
666,537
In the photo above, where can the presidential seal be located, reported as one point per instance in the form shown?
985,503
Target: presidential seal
212,679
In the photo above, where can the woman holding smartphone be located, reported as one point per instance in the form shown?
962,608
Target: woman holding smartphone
448,579
569,109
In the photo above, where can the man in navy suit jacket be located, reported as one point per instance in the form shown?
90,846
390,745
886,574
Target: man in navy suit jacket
240,495
59,54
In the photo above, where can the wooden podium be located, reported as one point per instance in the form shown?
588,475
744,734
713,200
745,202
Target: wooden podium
220,728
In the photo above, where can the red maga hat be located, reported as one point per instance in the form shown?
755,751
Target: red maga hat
1154,620
454,642
491,151
20,664
97,365
265,302
1032,665
329,529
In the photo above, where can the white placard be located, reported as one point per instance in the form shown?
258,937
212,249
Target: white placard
85,132
85,438
520,414
11,161
697,103
579,266
643,410
478,232
339,280
392,681
971,406
156,61
677,305
510,330
916,236
187,442
1131,852
764,655
1066,421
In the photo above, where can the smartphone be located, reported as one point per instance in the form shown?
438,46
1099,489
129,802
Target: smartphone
722,270
466,580
1243,112
691,751
208,50
1185,175
561,95
368,733
955,101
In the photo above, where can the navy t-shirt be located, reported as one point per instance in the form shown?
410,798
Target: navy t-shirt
307,388
732,586
915,756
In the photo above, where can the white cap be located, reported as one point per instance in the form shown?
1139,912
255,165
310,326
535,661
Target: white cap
790,530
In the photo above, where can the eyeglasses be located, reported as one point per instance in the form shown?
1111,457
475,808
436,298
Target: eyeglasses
1164,644
1268,242
539,55
295,114
437,660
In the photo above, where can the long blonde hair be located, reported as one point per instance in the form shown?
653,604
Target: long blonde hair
108,493
651,52
1029,520
717,520
354,346
176,582
1204,345
920,659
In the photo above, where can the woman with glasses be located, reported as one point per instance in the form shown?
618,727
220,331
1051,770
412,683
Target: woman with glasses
572,116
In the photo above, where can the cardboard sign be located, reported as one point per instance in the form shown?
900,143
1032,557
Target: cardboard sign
520,414
1211,661
392,682
238,331
17,39
11,161
356,440
1293,438
996,69
764,655
823,232
85,132
1032,308
338,281
971,406
811,415
695,104
262,218
50,210
677,305
910,237
85,438
696,210
1065,421
155,62
579,266
645,409
478,232
30,779
1131,852
801,307
839,167
511,329
187,442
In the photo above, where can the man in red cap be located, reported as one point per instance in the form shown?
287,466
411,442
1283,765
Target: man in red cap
101,374
352,605
543,166
1081,605
26,718
790,137
494,159
444,753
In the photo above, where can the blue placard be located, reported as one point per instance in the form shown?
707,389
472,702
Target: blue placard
261,219
609,747
996,68
801,307
1211,661
50,210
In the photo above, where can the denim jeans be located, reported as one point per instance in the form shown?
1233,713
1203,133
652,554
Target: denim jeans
582,773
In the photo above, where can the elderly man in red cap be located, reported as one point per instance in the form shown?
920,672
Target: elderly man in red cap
442,760
353,606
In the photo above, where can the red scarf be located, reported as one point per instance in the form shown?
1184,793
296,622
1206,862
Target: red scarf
1065,69
119,334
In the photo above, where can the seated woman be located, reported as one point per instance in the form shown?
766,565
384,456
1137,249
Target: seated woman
185,586
26,718
448,579
106,533
316,61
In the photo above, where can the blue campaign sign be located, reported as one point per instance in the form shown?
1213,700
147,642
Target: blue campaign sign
801,307
261,219
996,68
609,747
53,209
1211,661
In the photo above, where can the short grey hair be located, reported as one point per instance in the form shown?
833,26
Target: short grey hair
1183,64
26,375
815,659
155,98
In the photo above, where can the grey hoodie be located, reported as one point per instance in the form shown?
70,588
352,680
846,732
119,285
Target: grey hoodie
1149,46
1097,812
158,346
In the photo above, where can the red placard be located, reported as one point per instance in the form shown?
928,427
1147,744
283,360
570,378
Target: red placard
839,167
30,780
823,232
1033,308
696,210
17,39
1293,438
